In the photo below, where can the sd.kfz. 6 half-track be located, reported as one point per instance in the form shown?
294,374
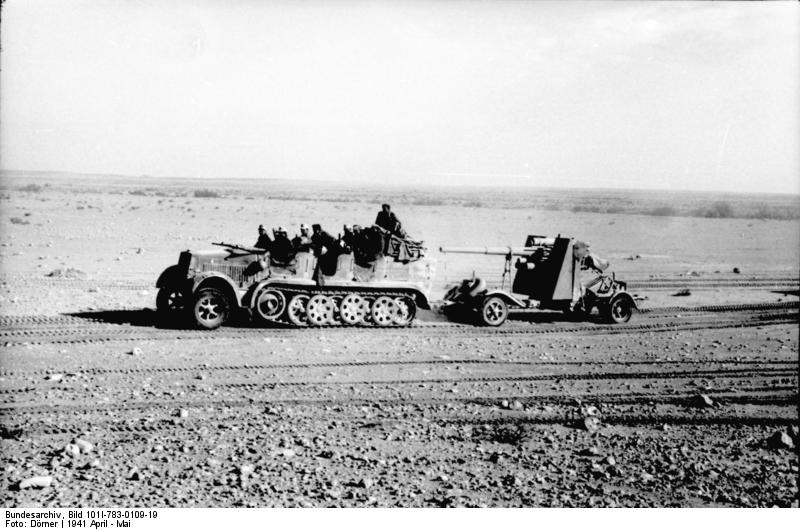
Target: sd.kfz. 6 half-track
210,286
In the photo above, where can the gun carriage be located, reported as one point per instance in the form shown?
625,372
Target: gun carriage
547,275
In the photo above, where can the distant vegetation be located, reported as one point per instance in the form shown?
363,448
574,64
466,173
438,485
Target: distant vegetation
206,194
32,187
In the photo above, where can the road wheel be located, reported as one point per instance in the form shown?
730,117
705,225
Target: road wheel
618,311
353,309
320,310
211,308
406,310
171,301
296,310
270,305
494,311
384,311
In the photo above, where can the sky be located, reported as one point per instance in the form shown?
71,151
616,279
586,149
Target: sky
661,95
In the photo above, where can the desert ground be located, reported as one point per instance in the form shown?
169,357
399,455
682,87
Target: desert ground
694,402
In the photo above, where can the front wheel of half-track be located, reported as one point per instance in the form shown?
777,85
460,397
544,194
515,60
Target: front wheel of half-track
211,308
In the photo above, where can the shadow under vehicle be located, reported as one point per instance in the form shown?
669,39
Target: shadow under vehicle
548,276
385,289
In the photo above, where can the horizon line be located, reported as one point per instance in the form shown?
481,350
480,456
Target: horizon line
62,173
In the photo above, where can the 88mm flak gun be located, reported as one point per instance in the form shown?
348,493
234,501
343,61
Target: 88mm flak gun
549,274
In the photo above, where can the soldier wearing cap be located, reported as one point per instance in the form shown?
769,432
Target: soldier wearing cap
347,240
321,241
325,249
263,238
282,251
387,220
302,243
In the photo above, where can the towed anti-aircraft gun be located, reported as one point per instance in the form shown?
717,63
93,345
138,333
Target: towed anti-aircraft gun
548,276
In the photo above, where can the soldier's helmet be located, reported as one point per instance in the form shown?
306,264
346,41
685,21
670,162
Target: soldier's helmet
347,228
260,228
303,226
279,230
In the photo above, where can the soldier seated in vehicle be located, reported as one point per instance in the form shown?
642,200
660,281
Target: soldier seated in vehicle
302,243
368,246
281,252
346,240
263,238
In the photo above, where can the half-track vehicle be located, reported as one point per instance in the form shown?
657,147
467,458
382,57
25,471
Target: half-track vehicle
550,273
339,288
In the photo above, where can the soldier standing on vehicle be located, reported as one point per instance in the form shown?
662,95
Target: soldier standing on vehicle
387,219
321,241
263,238
302,243
325,249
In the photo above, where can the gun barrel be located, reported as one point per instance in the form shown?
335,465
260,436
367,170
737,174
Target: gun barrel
491,251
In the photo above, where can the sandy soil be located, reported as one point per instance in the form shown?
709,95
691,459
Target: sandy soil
543,412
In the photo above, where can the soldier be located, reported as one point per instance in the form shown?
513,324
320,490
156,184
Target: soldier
282,250
302,243
387,219
321,241
346,240
325,249
263,238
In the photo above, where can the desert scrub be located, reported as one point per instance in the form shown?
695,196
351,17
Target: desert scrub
206,194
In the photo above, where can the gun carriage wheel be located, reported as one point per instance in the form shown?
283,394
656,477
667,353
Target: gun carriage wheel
619,310
494,311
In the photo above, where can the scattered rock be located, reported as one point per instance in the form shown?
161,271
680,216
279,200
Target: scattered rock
55,377
72,450
134,474
516,405
288,453
702,401
135,351
69,273
590,452
610,460
591,423
780,440
36,482
683,292
365,483
246,470
736,270
183,413
84,446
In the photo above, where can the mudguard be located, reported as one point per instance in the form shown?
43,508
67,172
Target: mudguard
510,300
172,275
220,281
626,296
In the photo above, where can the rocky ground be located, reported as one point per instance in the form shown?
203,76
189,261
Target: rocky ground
692,410
693,403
